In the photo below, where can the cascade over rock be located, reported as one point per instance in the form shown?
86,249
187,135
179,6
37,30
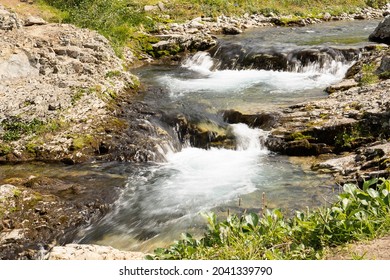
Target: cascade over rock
236,56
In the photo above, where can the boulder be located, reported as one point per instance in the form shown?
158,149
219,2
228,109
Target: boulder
385,64
149,8
161,6
7,191
382,33
231,30
31,20
8,20
343,85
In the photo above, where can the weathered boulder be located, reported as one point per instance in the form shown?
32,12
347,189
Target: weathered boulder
231,30
9,20
385,64
382,33
31,20
343,85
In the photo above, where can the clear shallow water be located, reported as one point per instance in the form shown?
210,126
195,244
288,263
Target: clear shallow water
342,33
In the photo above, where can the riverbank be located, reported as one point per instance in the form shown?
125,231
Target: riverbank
85,120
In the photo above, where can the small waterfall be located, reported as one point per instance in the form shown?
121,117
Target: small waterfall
249,139
321,60
201,62
301,74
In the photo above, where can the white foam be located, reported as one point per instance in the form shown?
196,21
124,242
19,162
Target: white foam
235,82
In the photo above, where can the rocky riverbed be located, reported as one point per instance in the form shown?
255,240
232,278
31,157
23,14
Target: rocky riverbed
62,96
65,96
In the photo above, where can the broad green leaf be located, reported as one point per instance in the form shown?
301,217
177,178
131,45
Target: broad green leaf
369,183
345,203
364,202
252,219
386,200
373,193
349,188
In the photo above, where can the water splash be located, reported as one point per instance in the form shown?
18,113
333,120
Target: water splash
249,139
201,63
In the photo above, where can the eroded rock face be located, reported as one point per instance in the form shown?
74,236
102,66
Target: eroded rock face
382,32
68,81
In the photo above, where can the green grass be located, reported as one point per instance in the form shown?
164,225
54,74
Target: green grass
369,74
5,149
14,128
358,214
124,22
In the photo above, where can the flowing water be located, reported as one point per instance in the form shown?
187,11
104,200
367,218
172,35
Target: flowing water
166,199
162,200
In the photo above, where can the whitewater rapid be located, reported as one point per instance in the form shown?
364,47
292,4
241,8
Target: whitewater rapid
207,81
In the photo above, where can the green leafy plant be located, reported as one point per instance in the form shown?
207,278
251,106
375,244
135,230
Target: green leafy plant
369,75
15,127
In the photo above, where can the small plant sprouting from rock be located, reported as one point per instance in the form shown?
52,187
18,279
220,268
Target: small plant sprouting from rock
81,141
111,74
5,149
77,95
369,75
15,127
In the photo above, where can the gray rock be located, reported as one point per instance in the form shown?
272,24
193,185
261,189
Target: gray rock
161,6
149,8
8,20
327,16
231,30
343,85
31,20
7,191
16,66
15,234
385,64
382,33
